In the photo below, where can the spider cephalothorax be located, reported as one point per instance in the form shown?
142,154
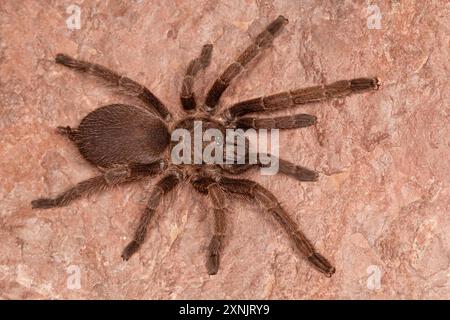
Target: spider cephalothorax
129,143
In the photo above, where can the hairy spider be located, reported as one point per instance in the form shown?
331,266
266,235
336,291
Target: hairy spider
129,143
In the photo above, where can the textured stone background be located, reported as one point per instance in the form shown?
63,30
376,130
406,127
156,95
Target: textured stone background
381,204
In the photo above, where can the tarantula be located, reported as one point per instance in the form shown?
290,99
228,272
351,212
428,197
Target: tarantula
129,143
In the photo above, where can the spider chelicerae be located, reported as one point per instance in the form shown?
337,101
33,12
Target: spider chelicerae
130,143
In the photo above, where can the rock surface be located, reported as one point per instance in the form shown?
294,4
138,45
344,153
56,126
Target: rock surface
380,210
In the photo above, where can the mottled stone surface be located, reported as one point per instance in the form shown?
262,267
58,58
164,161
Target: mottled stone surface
379,210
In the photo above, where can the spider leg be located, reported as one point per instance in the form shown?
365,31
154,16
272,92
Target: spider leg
162,187
262,41
287,122
187,98
125,84
216,245
209,186
295,171
254,191
111,177
285,167
291,98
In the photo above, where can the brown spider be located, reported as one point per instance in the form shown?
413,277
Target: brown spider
129,143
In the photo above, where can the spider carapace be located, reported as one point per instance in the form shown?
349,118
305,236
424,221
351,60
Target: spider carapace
130,143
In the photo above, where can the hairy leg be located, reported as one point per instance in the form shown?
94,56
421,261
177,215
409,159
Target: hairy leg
285,167
291,98
125,84
111,177
263,40
188,101
166,184
287,122
295,171
266,199
209,186
216,245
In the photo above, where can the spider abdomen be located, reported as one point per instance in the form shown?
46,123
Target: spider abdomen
119,134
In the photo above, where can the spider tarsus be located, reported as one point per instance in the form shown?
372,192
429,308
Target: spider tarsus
303,174
214,255
362,84
43,203
213,265
129,250
62,58
312,119
322,264
277,24
311,176
205,55
281,17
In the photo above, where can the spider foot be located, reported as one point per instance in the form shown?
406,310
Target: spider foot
129,250
43,203
213,257
213,264
65,60
363,84
322,264
303,174
307,175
